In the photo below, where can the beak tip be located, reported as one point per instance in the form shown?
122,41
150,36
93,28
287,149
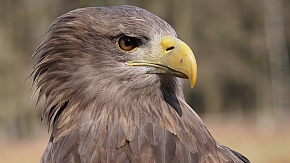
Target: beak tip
192,84
192,79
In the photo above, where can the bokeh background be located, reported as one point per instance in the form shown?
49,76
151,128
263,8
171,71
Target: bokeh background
243,87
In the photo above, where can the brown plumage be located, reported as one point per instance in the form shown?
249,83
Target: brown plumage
112,97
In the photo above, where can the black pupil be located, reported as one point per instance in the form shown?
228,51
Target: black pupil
127,42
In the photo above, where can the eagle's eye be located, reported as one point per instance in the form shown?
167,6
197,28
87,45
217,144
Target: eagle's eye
127,43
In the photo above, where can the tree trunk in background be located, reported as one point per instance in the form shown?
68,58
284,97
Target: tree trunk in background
278,59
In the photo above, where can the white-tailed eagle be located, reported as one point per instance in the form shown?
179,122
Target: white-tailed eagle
111,78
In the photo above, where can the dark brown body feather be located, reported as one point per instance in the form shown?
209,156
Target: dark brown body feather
103,111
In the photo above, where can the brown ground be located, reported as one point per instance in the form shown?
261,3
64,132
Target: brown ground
259,146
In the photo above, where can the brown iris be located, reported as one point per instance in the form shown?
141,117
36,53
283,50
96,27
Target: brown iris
127,43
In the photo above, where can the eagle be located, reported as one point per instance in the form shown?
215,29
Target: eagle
112,82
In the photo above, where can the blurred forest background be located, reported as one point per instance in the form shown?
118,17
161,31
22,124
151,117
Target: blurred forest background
243,86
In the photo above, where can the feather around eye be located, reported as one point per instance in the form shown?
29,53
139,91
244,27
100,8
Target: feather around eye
127,43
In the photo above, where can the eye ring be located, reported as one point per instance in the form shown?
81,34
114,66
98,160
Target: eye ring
127,43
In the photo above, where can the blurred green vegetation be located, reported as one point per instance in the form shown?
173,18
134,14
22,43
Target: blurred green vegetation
242,50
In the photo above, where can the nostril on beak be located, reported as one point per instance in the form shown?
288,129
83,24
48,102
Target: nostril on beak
170,48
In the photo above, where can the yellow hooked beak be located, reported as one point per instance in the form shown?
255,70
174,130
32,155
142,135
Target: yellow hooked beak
176,58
